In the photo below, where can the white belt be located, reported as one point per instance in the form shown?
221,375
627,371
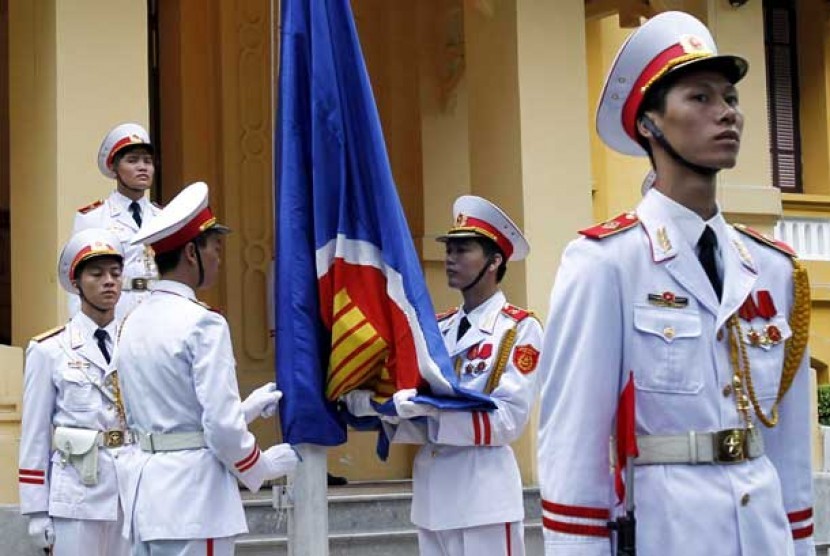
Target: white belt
171,441
720,447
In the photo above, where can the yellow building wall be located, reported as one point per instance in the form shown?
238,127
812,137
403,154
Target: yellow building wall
75,70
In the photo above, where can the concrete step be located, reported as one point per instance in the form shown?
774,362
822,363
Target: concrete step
383,543
365,519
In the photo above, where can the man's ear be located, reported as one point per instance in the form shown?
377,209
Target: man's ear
497,259
643,128
190,252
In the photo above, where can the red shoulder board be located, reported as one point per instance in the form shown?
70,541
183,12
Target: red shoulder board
446,314
621,223
91,206
516,313
206,306
48,334
766,240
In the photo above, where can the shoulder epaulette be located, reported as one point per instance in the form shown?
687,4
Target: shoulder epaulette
206,306
517,313
49,333
621,223
446,314
766,240
91,206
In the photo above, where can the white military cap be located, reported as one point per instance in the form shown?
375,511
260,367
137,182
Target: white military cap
120,137
665,43
478,217
181,221
83,246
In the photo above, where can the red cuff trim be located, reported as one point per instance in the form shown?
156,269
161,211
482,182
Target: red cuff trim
576,528
803,532
800,515
576,511
250,464
487,430
32,476
476,428
246,461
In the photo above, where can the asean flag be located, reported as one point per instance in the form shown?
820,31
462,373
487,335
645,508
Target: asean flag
352,309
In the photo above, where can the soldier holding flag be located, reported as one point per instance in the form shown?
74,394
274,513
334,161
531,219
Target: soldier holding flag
467,490
703,322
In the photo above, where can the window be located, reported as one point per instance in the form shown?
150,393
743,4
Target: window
782,94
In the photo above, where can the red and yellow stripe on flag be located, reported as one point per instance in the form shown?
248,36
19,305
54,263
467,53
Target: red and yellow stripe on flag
357,349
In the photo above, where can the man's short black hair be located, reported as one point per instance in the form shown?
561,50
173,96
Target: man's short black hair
116,158
167,261
491,248
79,268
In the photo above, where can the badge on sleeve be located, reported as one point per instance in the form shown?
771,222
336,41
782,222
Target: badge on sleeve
525,357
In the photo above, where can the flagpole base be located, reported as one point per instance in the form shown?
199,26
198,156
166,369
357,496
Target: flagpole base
308,517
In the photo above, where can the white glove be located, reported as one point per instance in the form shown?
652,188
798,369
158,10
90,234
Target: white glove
261,403
408,409
41,530
359,403
280,459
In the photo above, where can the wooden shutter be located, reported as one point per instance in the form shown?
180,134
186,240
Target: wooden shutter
780,40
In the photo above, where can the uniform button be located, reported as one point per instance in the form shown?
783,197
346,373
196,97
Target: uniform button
434,453
720,334
110,408
668,332
745,499
727,390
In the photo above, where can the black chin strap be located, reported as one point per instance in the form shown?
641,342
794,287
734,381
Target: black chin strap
661,139
480,275
199,260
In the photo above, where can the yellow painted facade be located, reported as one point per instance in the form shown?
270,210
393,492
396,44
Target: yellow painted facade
491,97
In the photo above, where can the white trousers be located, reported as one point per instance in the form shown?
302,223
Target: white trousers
186,547
500,539
85,537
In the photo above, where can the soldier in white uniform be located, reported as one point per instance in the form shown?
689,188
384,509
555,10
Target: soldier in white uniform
182,400
708,321
467,489
71,402
125,155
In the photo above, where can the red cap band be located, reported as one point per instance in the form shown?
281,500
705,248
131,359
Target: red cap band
666,60
488,230
198,224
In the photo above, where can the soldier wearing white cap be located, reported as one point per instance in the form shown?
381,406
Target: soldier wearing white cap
182,399
702,325
125,155
73,425
467,489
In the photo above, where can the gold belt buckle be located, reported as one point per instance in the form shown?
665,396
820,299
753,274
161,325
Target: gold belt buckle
731,446
139,284
113,438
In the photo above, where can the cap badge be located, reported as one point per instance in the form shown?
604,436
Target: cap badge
461,219
692,44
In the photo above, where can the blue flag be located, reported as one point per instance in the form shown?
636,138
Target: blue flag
352,308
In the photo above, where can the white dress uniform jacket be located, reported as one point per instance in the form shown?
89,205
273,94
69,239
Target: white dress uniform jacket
113,214
603,326
62,371
466,475
178,375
